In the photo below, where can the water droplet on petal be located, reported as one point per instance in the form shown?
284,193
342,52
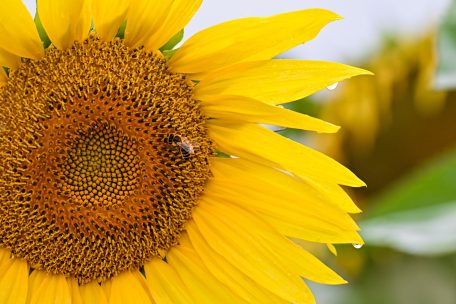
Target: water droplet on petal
357,246
333,86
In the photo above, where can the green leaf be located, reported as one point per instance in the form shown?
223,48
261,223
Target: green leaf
41,32
446,70
168,54
418,214
121,31
173,41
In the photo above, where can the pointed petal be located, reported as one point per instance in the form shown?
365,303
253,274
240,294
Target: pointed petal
336,195
165,284
18,34
92,293
244,109
229,169
65,21
248,39
144,18
108,15
129,288
179,14
275,81
13,279
259,144
286,203
263,242
46,288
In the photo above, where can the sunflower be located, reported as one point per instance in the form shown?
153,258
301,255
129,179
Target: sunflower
131,173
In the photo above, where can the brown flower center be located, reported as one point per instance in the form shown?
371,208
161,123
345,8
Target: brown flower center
103,155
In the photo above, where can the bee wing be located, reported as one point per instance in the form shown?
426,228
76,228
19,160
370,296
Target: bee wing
194,144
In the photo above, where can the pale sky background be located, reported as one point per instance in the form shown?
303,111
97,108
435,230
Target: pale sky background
365,23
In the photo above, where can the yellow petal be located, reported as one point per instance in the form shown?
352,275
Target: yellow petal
247,39
108,15
228,273
13,279
244,109
75,291
293,215
336,195
262,241
65,21
291,205
179,14
259,144
203,287
106,287
92,293
288,218
18,34
9,60
46,288
165,284
144,18
129,288
229,170
251,255
331,192
275,81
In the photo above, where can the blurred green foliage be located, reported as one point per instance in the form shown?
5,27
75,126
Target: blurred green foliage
417,215
446,71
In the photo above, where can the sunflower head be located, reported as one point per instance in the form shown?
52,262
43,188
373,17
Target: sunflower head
102,153
111,168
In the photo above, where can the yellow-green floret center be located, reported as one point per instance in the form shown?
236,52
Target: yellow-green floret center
103,155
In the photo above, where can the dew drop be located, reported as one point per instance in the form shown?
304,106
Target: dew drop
357,246
333,86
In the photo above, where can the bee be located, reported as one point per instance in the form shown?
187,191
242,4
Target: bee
186,146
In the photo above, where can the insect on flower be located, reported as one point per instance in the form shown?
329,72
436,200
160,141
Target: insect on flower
186,146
